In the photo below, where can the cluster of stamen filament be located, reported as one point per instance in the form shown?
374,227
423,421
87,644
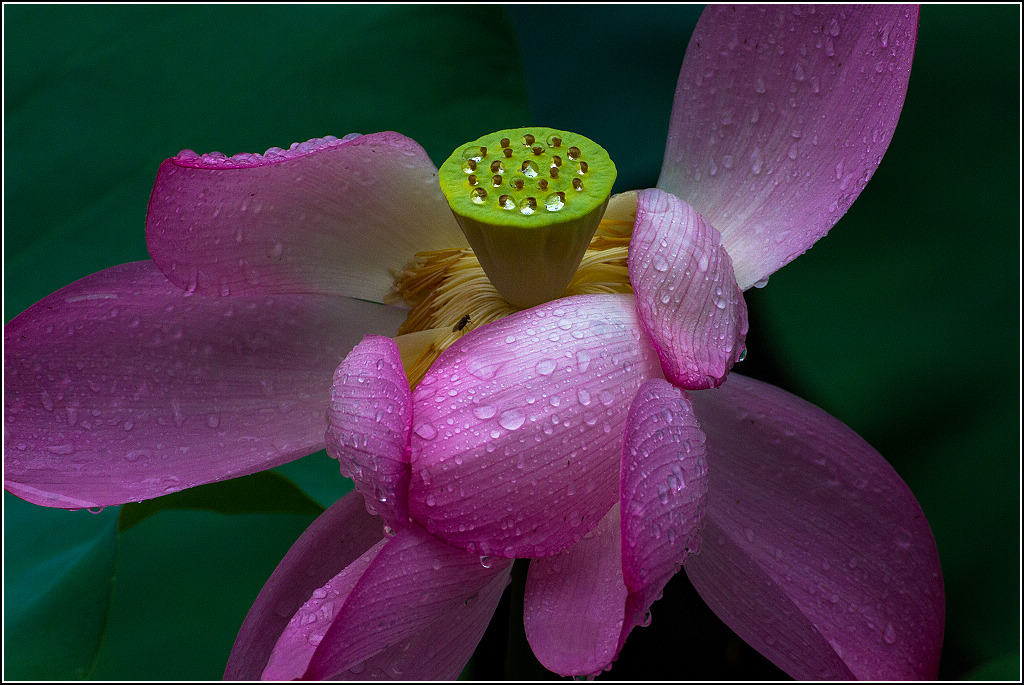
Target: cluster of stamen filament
450,294
544,168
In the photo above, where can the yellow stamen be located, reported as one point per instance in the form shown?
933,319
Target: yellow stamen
444,287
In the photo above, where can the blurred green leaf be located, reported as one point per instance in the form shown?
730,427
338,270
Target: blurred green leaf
1003,668
265,492
56,598
318,476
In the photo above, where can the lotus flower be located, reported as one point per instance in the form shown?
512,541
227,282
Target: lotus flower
548,434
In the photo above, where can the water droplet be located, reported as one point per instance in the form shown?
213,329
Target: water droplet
662,493
478,196
486,562
528,205
546,367
474,153
512,419
554,201
484,411
659,263
890,634
426,430
94,510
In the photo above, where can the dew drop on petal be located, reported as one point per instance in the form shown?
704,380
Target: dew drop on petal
512,419
484,411
546,367
426,431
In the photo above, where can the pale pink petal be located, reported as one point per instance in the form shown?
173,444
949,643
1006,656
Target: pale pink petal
517,427
370,419
663,493
415,583
336,539
329,216
121,386
686,291
575,601
305,631
781,115
816,553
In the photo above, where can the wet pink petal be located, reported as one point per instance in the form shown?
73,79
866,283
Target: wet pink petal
816,553
686,291
663,493
329,216
575,602
582,603
121,387
441,650
370,419
781,115
336,539
415,583
305,631
517,428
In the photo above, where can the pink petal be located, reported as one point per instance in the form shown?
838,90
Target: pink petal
370,421
336,539
686,291
299,641
582,603
121,387
663,493
330,216
442,650
575,601
781,115
517,428
416,583
816,552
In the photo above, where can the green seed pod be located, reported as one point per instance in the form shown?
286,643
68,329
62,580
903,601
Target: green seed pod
529,200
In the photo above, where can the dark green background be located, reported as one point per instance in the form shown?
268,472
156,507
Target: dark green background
904,322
